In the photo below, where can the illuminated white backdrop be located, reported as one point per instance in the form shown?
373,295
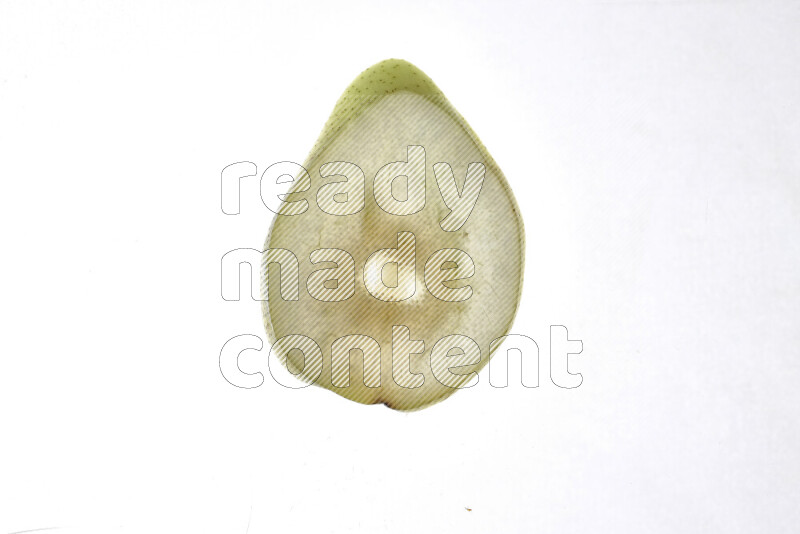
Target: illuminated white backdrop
652,147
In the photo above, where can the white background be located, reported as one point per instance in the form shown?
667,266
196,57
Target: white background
653,147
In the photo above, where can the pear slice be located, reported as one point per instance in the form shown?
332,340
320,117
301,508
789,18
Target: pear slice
389,109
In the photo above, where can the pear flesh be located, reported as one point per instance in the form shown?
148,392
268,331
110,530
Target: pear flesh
393,114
